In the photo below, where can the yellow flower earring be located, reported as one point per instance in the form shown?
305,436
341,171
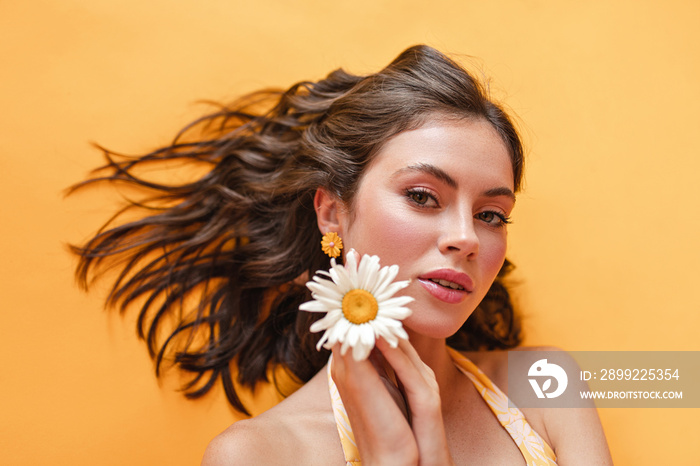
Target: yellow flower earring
332,244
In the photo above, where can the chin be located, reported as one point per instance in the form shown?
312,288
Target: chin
438,328
438,320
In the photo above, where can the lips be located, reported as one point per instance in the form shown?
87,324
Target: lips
447,285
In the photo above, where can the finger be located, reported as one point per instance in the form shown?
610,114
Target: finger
423,395
359,382
416,360
410,369
348,372
378,423
390,381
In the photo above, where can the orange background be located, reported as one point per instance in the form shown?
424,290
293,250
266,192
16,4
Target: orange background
605,234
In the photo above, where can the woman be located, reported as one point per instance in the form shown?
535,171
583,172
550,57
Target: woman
413,164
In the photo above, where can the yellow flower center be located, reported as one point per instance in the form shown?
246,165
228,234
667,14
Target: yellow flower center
359,306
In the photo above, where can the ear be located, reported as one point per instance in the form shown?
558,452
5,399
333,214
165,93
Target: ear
330,212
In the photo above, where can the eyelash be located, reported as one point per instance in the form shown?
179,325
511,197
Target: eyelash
503,220
411,192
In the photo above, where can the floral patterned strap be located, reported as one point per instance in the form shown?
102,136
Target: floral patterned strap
533,448
347,439
531,445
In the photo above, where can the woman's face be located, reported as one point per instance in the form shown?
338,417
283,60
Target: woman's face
435,201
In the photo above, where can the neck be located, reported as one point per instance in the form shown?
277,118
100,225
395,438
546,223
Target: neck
433,352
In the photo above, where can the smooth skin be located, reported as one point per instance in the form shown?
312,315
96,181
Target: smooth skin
435,198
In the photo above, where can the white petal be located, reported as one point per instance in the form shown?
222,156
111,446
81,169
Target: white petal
401,333
389,322
333,273
327,322
321,341
328,302
313,306
379,284
337,333
361,351
353,335
344,347
385,332
343,278
351,258
391,290
396,301
325,288
367,334
367,273
395,312
397,330
391,273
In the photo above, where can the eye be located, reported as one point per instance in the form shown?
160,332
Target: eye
493,218
422,197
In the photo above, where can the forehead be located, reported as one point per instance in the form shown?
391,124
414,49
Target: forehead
468,149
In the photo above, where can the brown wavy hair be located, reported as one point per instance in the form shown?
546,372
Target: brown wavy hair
239,241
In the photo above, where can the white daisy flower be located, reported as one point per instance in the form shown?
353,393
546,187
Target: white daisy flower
358,304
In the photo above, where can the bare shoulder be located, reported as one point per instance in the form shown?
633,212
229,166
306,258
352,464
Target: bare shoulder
301,428
270,438
245,442
575,434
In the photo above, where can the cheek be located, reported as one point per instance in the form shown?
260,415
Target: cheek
493,252
388,231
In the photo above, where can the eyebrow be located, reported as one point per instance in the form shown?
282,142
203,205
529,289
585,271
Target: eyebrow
496,192
443,176
438,173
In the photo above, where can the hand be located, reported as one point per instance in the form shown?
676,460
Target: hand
383,434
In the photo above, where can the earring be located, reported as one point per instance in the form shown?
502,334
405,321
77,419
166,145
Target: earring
331,244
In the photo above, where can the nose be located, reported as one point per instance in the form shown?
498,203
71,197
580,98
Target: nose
459,237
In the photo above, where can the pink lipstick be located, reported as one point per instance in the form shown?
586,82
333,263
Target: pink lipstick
447,285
